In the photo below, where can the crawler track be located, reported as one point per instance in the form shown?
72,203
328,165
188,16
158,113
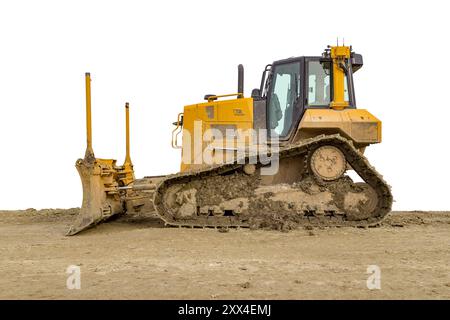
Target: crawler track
219,186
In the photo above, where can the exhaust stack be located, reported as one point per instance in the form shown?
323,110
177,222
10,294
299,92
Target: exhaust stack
241,81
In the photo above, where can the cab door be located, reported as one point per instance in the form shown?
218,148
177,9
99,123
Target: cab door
285,96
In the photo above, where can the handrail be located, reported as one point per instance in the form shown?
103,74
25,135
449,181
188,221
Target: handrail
175,136
212,98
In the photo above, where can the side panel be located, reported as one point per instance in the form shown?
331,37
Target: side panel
359,125
213,129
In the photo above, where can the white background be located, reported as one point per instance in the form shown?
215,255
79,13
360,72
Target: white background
161,56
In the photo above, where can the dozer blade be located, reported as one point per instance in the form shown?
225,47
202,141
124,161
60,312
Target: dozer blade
104,183
101,199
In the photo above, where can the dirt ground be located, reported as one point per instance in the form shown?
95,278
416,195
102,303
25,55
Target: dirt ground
137,258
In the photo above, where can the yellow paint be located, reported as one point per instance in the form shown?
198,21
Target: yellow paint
107,186
235,113
357,124
89,150
340,55
212,98
111,174
127,133
126,173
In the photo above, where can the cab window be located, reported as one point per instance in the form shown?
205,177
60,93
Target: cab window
319,89
284,94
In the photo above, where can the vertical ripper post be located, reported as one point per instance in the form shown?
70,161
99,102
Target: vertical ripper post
126,175
89,151
100,179
127,134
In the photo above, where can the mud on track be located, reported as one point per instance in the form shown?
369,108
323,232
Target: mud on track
135,257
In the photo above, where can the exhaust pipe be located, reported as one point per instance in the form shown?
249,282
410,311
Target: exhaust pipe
241,80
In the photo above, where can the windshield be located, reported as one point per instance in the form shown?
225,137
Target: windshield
284,94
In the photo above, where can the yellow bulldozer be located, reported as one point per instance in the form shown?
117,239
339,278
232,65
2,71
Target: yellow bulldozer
280,155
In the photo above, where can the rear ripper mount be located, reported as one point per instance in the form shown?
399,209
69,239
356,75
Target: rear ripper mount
106,186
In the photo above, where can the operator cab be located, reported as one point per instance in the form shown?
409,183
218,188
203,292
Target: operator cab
290,86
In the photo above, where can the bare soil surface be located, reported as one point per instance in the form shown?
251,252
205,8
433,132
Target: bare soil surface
137,258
